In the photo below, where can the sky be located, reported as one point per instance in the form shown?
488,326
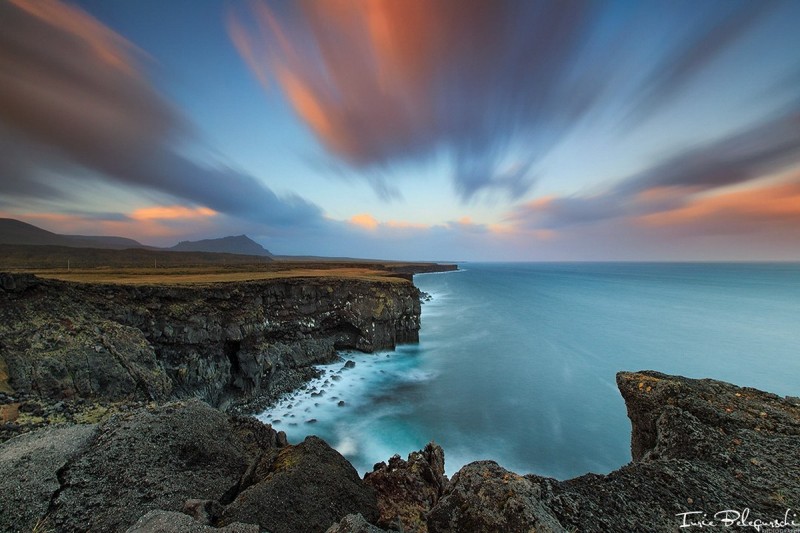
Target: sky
451,130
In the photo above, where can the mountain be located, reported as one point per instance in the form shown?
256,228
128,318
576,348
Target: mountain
14,231
17,232
241,244
98,241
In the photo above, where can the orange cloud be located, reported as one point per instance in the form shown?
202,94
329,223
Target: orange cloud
364,220
502,229
777,202
146,224
362,86
369,222
540,203
171,212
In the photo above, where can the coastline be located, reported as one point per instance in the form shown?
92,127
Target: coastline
697,445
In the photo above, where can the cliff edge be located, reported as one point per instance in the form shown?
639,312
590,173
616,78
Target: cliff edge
706,454
221,343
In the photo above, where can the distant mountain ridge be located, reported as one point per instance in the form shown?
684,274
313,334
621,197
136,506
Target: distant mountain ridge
16,232
240,244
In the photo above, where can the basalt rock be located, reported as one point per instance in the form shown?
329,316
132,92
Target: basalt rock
172,522
306,487
156,459
31,467
484,497
222,342
354,523
407,490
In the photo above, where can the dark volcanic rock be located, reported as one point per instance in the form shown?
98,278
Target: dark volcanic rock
172,522
354,523
30,466
407,490
306,487
153,460
698,445
484,497
222,343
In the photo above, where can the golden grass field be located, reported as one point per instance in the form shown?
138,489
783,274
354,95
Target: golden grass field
204,275
147,266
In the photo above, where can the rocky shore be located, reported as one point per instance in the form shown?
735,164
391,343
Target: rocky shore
113,401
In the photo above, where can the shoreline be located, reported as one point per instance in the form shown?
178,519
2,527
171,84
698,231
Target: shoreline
696,444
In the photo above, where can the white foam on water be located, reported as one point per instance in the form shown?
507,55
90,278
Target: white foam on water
344,406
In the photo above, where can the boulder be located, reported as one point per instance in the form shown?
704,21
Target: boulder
30,470
484,497
156,459
159,521
306,487
408,490
354,523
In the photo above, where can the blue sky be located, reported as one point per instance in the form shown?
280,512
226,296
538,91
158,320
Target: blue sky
563,130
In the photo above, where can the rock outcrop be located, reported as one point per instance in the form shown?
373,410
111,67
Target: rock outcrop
156,459
30,474
222,342
306,487
700,448
183,466
408,490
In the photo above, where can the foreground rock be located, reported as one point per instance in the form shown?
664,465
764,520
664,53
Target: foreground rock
138,469
408,490
699,447
29,473
483,496
306,487
156,459
172,522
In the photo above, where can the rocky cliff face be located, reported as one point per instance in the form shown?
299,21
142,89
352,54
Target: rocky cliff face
220,342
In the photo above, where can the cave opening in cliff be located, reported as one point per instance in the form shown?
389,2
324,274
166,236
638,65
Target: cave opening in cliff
231,351
345,336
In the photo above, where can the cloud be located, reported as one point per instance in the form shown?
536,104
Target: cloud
74,101
364,220
699,40
168,212
740,158
492,85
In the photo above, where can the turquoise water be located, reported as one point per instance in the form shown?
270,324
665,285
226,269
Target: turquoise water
516,362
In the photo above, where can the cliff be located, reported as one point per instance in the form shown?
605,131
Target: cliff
703,450
222,342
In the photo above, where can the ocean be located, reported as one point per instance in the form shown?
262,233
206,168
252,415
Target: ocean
516,362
